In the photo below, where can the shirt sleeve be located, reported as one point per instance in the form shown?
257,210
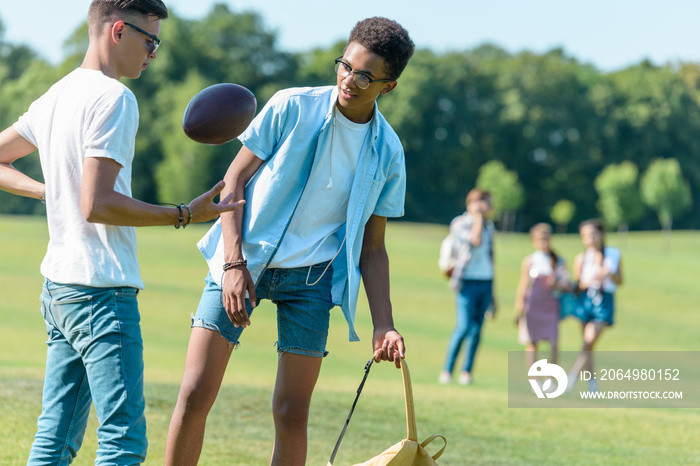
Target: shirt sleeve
265,131
24,125
392,198
111,130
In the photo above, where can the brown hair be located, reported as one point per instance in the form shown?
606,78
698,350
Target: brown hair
105,11
598,225
541,227
545,228
477,194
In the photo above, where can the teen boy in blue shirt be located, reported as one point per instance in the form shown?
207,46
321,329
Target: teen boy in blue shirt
320,170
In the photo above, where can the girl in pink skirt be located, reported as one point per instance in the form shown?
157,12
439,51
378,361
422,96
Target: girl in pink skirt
543,278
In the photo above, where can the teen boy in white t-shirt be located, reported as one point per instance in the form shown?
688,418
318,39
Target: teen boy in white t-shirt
84,128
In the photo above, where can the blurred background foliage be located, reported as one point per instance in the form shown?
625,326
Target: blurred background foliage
538,130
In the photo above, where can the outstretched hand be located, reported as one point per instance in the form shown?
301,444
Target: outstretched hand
204,208
388,346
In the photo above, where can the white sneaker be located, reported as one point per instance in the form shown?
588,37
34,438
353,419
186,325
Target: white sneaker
465,378
444,378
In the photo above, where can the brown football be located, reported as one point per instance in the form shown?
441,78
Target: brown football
219,114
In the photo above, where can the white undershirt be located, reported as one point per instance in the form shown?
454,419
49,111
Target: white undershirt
322,209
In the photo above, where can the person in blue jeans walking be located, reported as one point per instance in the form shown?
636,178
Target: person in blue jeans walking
468,262
84,128
320,170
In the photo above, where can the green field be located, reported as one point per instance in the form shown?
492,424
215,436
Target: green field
657,310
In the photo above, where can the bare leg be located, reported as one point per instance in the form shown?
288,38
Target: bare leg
208,354
591,333
296,379
554,352
530,354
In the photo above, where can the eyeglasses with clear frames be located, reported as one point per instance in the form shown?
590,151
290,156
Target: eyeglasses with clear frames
154,42
362,81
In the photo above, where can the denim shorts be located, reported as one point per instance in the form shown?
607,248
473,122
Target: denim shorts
303,309
596,307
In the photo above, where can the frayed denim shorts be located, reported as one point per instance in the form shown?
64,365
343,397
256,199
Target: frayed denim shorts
303,308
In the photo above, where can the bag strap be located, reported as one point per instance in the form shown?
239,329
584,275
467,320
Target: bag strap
430,439
410,412
408,396
347,421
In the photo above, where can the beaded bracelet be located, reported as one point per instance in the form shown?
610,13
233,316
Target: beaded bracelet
230,265
181,219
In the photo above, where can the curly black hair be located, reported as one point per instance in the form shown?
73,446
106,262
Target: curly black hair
386,38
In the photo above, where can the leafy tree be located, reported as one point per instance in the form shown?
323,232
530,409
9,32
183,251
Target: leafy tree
75,47
653,113
506,191
548,131
666,191
562,213
444,112
316,66
223,46
619,200
553,121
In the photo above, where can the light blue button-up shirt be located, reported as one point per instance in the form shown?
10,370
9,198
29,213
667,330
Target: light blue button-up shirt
289,135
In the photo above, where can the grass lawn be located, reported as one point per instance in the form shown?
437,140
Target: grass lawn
657,310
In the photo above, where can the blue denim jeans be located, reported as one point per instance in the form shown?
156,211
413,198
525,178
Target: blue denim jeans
94,354
303,308
473,300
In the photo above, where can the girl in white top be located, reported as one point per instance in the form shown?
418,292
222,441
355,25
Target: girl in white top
543,277
598,271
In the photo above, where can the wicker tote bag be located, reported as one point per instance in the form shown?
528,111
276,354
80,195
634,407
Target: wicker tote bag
408,452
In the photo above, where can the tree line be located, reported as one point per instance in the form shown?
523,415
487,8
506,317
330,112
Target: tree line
555,126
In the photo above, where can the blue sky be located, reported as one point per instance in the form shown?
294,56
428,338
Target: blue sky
610,34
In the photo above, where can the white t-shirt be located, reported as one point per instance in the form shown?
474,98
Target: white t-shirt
86,114
310,236
589,268
540,264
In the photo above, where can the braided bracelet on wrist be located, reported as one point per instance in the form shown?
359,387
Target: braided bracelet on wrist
181,217
230,265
